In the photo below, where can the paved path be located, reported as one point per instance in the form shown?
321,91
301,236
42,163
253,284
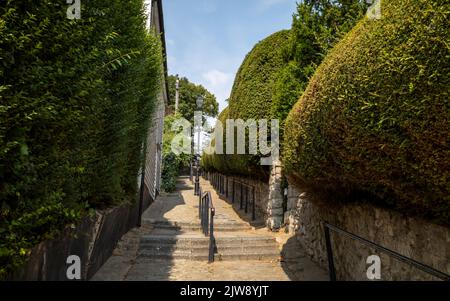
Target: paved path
182,206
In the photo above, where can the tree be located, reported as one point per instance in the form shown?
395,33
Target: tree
317,26
189,93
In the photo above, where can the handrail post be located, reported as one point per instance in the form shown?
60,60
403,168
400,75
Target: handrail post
232,197
203,213
241,205
226,187
207,216
253,204
211,237
200,205
246,199
331,268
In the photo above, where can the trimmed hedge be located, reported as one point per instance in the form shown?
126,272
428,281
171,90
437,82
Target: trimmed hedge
277,70
223,163
76,98
374,119
317,26
251,98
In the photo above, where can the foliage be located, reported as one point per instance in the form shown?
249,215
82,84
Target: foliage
172,163
253,87
317,26
251,99
277,70
374,119
189,93
75,101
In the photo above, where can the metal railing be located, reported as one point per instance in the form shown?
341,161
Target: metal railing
246,190
329,227
206,212
247,197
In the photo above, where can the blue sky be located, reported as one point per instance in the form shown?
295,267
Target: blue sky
207,40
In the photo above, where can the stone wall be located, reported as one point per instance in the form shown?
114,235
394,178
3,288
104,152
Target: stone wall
411,237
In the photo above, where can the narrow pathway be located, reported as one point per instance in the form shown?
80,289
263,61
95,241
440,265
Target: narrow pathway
170,246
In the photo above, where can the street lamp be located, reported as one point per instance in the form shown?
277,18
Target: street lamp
197,156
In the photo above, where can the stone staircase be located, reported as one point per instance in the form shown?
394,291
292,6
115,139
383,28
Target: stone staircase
197,247
235,239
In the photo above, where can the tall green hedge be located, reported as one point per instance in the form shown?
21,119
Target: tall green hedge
316,27
227,164
374,120
251,98
76,98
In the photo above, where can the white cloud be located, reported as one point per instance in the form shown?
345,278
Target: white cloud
216,78
219,83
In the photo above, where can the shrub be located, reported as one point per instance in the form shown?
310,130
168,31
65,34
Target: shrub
252,91
172,163
251,99
374,118
75,101
317,26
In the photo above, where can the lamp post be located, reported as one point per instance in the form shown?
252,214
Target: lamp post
197,155
191,164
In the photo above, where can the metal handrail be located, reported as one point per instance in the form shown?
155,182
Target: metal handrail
206,215
220,184
425,268
241,203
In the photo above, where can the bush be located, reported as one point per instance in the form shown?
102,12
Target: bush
317,26
374,118
172,163
251,99
216,162
75,101
252,91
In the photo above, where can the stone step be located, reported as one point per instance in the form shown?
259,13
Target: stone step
202,240
187,226
196,247
221,256
205,248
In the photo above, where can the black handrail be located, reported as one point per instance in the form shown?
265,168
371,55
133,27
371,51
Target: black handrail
206,215
425,268
245,187
221,183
